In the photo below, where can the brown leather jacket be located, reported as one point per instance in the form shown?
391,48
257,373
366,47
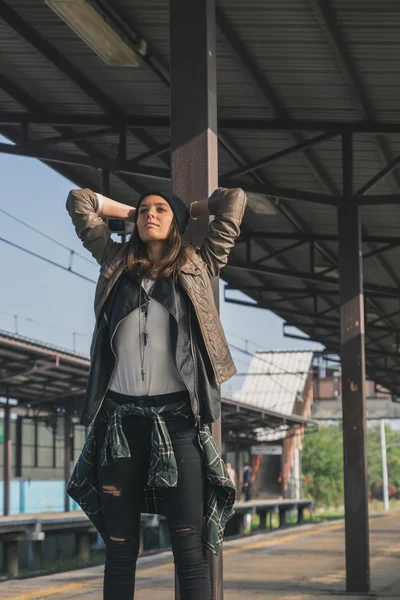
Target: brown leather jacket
202,265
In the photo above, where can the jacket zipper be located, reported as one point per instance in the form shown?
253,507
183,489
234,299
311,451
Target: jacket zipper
115,364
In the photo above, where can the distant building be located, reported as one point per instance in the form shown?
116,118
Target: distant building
283,382
327,405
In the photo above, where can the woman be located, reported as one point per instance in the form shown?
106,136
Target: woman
158,358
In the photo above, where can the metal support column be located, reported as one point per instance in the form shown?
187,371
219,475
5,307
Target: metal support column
68,455
18,446
238,470
35,442
353,381
194,140
385,480
7,474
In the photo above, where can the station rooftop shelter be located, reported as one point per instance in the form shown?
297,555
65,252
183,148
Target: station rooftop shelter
43,382
296,102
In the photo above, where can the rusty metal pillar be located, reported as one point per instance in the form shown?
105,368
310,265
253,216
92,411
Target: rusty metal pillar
18,446
7,466
68,455
238,470
194,139
353,381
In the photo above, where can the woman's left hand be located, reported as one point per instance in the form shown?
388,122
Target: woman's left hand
199,209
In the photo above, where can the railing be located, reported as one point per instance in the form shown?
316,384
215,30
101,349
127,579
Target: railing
34,527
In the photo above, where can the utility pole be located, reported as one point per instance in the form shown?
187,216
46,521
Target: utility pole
385,490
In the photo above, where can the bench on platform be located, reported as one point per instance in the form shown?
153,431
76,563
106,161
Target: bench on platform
265,509
34,527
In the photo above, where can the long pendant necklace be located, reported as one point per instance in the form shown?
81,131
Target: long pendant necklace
145,310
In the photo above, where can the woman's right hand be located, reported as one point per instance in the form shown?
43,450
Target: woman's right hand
111,209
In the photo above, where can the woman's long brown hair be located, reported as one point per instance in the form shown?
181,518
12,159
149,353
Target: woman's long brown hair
138,261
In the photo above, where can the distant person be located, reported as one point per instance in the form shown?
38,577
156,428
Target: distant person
158,358
231,473
247,482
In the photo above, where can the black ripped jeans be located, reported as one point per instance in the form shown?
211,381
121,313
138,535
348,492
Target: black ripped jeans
121,487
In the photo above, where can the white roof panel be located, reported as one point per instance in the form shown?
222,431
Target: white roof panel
275,380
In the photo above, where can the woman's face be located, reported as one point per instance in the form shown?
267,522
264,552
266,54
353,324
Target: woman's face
154,219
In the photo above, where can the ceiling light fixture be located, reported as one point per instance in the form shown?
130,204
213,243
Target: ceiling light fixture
321,268
97,31
262,204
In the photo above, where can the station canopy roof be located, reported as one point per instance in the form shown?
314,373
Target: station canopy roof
43,377
291,75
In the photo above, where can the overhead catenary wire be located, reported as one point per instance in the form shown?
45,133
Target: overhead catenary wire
261,358
268,362
51,262
241,339
45,235
70,270
31,320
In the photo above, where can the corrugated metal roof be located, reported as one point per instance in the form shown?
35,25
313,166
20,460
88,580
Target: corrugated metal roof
275,380
299,76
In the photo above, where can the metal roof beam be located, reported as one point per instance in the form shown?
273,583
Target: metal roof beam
280,290
280,113
160,150
287,291
73,137
332,127
269,94
312,237
305,276
336,41
334,326
378,200
327,21
386,248
83,161
379,177
30,104
282,193
276,253
276,155
45,117
55,57
327,126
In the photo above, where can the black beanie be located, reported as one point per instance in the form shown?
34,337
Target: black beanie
179,208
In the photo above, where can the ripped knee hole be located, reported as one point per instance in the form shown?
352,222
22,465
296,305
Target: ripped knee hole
111,490
115,539
183,531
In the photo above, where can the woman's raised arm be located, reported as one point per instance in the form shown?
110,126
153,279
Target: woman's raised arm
86,208
227,206
111,209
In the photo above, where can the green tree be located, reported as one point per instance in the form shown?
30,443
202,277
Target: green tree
322,466
322,463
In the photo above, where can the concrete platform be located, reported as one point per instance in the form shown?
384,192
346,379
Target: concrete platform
303,563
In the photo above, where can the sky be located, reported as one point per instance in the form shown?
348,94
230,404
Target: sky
44,302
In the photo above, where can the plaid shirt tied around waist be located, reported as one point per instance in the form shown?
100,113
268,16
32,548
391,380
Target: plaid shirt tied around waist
220,491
